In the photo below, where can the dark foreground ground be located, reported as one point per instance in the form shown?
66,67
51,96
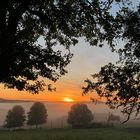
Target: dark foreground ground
73,134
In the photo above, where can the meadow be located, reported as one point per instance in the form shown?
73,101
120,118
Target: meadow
73,134
54,130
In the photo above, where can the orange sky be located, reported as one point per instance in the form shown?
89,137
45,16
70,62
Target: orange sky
87,60
64,90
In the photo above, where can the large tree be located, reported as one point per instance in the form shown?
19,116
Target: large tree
23,60
15,117
120,83
79,116
37,114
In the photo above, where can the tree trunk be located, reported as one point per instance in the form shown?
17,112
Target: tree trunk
36,126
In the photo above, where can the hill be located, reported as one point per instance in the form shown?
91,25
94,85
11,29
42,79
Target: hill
12,101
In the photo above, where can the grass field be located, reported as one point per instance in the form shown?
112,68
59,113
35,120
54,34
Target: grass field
73,134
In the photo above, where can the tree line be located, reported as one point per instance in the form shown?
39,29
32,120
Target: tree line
78,117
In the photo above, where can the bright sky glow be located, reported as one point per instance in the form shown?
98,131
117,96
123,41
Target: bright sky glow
67,99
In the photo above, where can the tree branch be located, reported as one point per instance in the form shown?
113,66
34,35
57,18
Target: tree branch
15,15
2,19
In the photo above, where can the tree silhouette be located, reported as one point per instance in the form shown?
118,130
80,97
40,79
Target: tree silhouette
15,117
112,118
79,116
120,83
37,114
22,22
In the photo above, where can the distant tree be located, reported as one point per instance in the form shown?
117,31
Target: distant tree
23,22
112,118
15,117
79,116
37,114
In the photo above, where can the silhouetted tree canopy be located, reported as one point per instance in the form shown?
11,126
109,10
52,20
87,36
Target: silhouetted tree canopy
15,117
22,22
120,83
79,116
37,114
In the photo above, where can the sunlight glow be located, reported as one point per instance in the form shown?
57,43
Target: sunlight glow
67,99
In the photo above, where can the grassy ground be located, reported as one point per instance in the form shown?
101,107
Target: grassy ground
73,134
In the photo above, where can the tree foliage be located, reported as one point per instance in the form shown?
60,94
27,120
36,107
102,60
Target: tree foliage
22,22
79,116
15,117
37,114
120,82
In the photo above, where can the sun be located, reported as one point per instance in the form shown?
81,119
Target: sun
67,99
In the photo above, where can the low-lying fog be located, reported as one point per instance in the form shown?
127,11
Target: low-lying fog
58,111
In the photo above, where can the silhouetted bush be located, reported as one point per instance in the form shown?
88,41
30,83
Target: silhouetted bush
100,125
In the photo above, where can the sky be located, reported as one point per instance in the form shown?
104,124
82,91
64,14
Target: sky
87,60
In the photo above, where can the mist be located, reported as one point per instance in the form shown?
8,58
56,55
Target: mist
58,112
